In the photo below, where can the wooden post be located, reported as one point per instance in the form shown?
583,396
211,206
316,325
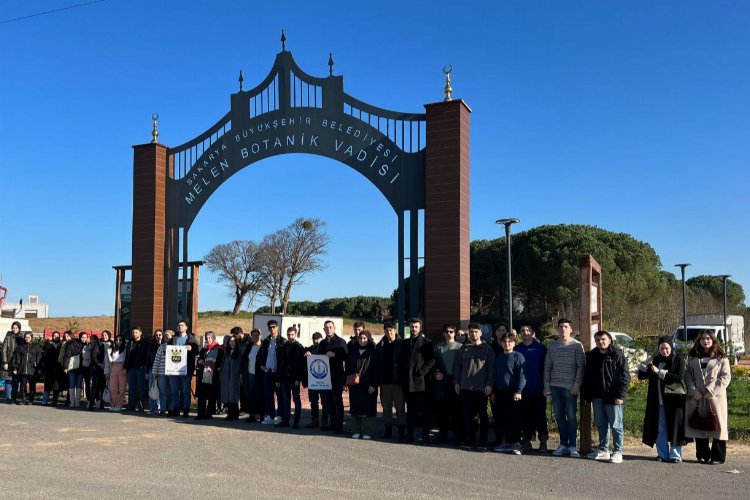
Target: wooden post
589,322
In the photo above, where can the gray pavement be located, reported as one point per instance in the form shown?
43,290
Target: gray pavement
56,453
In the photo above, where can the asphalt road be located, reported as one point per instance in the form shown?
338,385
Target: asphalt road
55,453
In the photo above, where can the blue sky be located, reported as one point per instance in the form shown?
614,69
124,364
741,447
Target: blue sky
632,116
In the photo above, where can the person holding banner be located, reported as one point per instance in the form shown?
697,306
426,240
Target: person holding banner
334,348
158,372
180,384
362,378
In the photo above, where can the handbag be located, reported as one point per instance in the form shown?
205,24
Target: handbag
676,388
706,423
105,395
74,362
352,379
153,393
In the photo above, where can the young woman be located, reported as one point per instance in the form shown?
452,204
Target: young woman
208,367
664,422
97,374
363,396
62,381
252,378
118,377
230,379
106,346
9,347
51,369
72,366
707,377
156,342
158,374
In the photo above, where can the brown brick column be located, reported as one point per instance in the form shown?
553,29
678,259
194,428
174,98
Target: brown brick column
149,222
446,233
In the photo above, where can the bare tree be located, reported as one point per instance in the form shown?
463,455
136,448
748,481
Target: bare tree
288,256
238,264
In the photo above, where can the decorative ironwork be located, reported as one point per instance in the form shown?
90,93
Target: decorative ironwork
291,111
155,130
448,90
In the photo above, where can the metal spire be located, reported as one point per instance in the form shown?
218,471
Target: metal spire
155,131
283,40
447,70
241,79
330,64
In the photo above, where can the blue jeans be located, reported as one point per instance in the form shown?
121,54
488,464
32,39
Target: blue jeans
75,379
565,406
269,390
153,404
606,416
137,392
663,448
163,382
179,386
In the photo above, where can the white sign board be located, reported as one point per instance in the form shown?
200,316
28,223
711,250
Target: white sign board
318,373
175,360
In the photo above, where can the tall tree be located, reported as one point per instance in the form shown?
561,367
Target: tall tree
288,256
714,286
238,264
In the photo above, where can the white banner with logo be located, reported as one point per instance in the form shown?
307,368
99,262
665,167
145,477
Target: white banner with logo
318,373
175,360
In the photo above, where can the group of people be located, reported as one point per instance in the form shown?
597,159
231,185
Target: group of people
451,383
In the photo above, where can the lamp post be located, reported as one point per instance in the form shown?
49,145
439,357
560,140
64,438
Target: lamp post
684,307
507,223
727,340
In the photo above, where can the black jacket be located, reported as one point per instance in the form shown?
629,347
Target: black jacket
97,356
606,376
361,402
417,362
674,405
50,352
337,346
136,354
389,372
293,366
72,348
25,359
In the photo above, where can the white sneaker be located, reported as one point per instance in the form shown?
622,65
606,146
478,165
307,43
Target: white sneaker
616,458
277,420
516,449
267,421
598,455
574,453
366,436
560,451
355,436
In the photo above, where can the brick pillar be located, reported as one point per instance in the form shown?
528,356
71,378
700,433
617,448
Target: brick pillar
149,219
446,232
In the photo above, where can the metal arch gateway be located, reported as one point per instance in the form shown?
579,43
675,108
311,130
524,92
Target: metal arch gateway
417,161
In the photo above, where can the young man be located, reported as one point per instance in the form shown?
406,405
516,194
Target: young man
510,380
605,384
270,354
335,349
180,384
312,395
474,373
418,362
447,402
291,373
388,359
136,358
357,327
563,375
533,402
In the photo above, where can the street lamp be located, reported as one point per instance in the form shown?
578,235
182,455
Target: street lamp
507,223
684,307
727,346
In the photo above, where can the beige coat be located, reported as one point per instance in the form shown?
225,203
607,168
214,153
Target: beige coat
714,381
